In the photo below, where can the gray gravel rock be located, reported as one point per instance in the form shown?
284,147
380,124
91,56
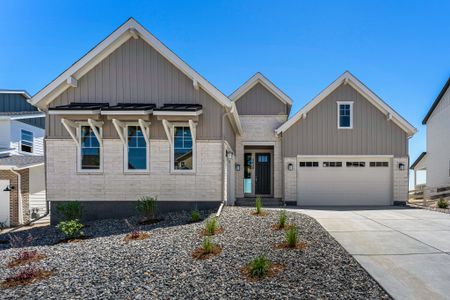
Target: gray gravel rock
161,267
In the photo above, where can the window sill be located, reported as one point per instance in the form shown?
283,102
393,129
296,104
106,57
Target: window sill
90,172
345,127
144,172
175,172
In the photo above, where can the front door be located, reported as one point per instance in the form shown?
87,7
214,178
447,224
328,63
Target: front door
262,174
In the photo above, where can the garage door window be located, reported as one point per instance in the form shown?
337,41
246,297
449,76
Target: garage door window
355,164
309,164
332,164
379,164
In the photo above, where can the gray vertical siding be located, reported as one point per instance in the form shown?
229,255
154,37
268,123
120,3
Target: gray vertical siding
372,133
137,73
18,103
259,101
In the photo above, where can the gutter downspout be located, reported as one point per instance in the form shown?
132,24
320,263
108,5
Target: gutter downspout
225,114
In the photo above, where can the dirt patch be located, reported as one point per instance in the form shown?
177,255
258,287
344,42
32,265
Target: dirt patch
74,240
273,271
136,236
261,214
217,231
275,227
199,253
298,246
30,277
18,261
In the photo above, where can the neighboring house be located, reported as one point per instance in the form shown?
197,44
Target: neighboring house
436,160
22,172
130,118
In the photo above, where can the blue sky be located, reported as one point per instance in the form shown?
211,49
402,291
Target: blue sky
400,49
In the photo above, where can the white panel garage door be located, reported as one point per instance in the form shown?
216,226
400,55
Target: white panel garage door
4,202
344,181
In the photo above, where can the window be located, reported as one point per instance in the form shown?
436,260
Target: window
345,115
136,159
248,162
183,150
355,164
89,149
26,141
332,164
379,164
309,164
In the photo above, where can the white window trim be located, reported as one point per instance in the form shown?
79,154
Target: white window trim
90,171
32,142
351,114
125,152
172,148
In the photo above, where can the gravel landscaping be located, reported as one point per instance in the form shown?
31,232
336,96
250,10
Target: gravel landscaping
162,267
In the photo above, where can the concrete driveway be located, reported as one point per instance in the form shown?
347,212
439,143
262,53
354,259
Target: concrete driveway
406,250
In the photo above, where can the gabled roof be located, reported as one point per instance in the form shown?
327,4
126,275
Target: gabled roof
436,102
417,161
348,78
260,78
20,162
19,92
130,29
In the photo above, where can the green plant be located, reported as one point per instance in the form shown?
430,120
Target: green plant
442,203
282,219
258,204
291,237
259,266
71,210
71,229
195,215
211,226
147,206
207,245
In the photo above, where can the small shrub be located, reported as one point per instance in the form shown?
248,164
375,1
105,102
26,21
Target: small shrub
18,241
258,205
259,266
195,216
26,255
135,234
70,211
71,229
147,206
211,226
282,219
25,276
291,237
442,203
207,246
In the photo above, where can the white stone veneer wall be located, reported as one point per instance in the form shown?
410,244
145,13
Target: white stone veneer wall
64,183
260,129
401,179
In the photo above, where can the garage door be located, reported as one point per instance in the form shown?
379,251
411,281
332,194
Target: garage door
344,181
4,202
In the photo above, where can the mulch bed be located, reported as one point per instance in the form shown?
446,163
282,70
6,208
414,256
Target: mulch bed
74,240
298,246
261,214
273,271
217,231
199,253
132,237
36,276
15,262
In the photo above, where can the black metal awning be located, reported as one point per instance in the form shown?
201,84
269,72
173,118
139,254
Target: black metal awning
130,107
180,107
80,106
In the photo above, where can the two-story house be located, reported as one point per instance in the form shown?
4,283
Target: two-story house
22,172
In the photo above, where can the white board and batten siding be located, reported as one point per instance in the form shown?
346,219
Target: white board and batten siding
344,186
37,190
4,203
16,135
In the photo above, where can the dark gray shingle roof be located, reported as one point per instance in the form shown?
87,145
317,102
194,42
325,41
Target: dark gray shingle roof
21,161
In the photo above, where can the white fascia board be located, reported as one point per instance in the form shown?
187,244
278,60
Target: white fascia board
345,156
74,112
13,167
259,78
106,47
348,78
125,112
42,115
19,92
178,113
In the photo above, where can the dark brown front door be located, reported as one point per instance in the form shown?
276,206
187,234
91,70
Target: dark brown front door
262,173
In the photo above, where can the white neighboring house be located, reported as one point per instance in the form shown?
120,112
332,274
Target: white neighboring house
22,171
436,160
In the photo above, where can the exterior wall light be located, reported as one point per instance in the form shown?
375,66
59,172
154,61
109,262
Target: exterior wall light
237,167
401,166
8,188
290,167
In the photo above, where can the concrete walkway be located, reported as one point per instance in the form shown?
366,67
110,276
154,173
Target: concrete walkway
406,250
